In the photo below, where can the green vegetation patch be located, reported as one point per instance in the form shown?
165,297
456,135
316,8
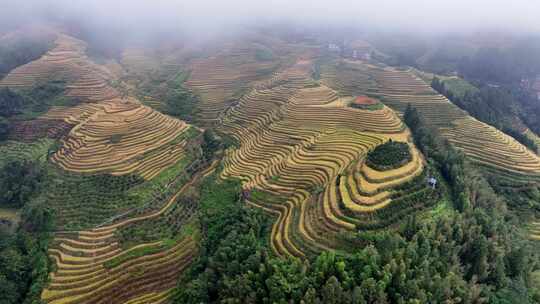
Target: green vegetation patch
264,54
115,138
85,200
459,86
168,225
389,155
180,216
312,84
451,253
25,104
14,150
18,182
175,99
139,252
370,107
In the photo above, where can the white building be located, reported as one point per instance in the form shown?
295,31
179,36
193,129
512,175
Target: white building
334,47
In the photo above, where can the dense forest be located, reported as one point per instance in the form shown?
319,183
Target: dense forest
24,262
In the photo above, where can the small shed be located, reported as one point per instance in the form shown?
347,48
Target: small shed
432,182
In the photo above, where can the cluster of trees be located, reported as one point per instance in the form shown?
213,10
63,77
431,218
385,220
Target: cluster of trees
10,104
316,69
19,180
37,99
529,108
389,155
493,105
181,103
462,258
210,145
177,100
24,262
449,161
264,54
41,96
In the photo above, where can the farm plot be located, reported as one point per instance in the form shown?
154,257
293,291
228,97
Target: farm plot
138,63
91,268
115,263
125,137
116,184
483,144
348,78
86,81
81,201
38,128
134,258
220,79
296,143
489,146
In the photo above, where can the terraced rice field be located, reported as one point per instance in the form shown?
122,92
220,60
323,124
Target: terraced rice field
98,266
351,80
221,78
143,65
138,61
86,81
88,271
123,137
300,156
482,143
121,166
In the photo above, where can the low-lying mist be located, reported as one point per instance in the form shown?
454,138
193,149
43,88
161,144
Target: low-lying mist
206,17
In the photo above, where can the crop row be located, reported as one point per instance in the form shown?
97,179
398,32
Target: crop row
92,267
86,81
295,141
123,138
482,143
221,79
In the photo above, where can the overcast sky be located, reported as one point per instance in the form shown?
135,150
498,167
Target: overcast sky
419,15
